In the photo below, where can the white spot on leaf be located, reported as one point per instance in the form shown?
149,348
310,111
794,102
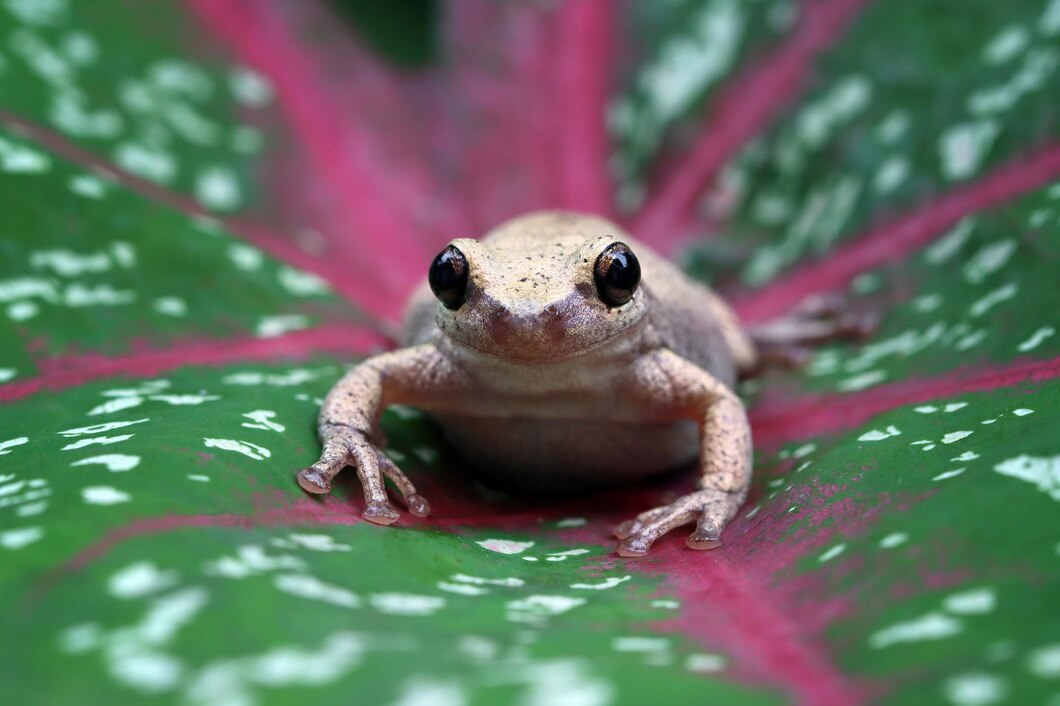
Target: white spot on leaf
973,602
18,538
536,607
406,603
1036,339
877,435
104,495
510,582
116,405
832,553
100,428
115,463
607,583
262,419
992,299
949,474
932,626
6,446
640,644
963,147
705,663
1006,45
314,589
893,540
1045,662
139,580
1040,471
505,546
272,326
258,453
97,441
975,689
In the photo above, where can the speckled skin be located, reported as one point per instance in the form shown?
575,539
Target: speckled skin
539,384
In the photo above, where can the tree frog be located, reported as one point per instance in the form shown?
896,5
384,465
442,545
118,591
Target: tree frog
559,350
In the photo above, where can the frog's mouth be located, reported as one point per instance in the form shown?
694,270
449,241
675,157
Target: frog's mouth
552,356
558,331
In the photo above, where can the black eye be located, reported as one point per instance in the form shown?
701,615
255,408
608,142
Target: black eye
617,274
448,277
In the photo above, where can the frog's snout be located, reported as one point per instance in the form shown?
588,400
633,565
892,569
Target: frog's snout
527,329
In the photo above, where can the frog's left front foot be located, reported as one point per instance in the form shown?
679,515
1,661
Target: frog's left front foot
709,509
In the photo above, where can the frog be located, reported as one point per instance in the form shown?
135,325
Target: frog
559,351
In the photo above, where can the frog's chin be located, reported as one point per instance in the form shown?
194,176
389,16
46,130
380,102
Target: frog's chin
531,351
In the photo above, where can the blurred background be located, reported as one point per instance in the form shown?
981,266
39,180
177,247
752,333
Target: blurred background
209,209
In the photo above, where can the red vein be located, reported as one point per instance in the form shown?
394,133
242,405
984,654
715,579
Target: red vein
378,229
774,424
69,371
748,104
279,247
904,235
584,60
728,602
500,57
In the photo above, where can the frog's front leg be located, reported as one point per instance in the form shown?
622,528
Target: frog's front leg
349,419
673,388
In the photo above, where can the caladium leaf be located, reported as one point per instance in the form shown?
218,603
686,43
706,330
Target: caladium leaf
212,209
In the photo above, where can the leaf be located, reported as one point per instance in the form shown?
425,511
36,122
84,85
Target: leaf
213,209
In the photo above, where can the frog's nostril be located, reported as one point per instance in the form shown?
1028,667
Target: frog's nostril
555,323
499,324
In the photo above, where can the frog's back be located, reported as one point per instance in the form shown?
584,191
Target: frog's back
692,320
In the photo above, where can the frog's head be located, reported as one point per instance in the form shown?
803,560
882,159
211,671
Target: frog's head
541,287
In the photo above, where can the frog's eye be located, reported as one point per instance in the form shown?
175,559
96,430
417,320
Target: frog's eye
448,277
617,274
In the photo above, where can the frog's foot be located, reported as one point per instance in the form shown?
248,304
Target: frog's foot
788,342
709,509
350,448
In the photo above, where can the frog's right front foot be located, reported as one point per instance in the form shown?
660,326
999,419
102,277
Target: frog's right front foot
352,449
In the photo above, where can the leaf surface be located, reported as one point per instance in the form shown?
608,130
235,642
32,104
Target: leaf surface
211,210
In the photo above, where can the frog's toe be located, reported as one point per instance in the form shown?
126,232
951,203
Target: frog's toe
313,480
651,525
631,527
380,513
635,546
627,528
707,536
709,509
418,505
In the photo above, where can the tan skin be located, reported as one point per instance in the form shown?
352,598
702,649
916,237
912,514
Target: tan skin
542,370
